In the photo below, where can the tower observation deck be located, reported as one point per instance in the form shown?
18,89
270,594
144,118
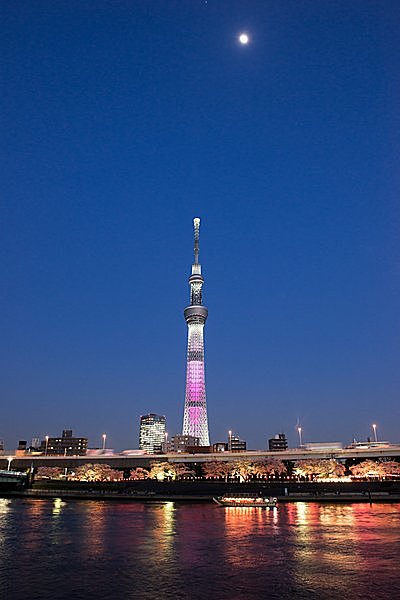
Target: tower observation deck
195,422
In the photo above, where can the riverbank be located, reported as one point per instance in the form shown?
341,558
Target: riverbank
205,491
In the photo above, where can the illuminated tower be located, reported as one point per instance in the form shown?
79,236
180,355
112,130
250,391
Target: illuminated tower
195,421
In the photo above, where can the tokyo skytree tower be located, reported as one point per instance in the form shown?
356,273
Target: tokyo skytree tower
195,421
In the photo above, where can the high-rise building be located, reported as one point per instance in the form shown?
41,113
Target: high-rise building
180,443
66,445
278,443
195,422
235,444
152,433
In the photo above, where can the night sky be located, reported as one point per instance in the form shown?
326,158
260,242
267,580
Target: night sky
123,120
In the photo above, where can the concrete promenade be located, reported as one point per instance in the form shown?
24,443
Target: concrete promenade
188,491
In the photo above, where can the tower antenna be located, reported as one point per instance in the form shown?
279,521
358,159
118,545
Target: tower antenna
196,223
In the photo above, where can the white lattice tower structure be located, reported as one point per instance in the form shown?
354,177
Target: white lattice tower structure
195,420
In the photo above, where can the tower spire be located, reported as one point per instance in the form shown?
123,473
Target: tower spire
195,422
196,223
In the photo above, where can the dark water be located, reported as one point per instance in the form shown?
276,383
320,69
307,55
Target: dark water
54,550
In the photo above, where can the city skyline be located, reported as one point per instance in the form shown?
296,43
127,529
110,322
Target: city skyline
122,123
301,438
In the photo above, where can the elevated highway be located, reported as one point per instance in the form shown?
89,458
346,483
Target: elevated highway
131,461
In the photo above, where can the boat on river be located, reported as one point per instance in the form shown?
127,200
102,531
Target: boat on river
246,500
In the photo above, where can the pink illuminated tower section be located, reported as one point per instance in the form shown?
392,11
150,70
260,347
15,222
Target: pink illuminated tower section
195,422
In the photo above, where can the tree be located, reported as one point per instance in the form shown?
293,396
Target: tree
319,468
182,470
161,470
242,469
139,473
330,468
97,472
391,468
263,469
368,468
266,468
216,469
280,467
48,473
305,468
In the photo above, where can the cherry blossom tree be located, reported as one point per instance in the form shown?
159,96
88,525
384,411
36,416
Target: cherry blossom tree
161,470
268,468
319,468
369,468
391,468
241,469
48,473
97,472
139,473
280,467
181,470
216,469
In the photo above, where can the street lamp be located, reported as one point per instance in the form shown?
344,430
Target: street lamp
374,428
104,436
166,441
47,443
230,440
300,438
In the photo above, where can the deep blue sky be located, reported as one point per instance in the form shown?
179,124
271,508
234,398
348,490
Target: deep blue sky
120,122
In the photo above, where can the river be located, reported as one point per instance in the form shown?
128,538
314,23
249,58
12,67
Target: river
57,550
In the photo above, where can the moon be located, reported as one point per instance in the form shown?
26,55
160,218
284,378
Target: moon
244,38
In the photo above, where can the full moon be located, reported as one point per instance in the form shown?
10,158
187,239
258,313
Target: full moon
243,38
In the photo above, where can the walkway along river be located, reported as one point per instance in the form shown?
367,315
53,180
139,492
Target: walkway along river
286,491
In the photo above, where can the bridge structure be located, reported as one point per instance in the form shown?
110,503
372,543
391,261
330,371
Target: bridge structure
132,461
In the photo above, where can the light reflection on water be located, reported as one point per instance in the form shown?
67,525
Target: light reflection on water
4,510
55,549
58,505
